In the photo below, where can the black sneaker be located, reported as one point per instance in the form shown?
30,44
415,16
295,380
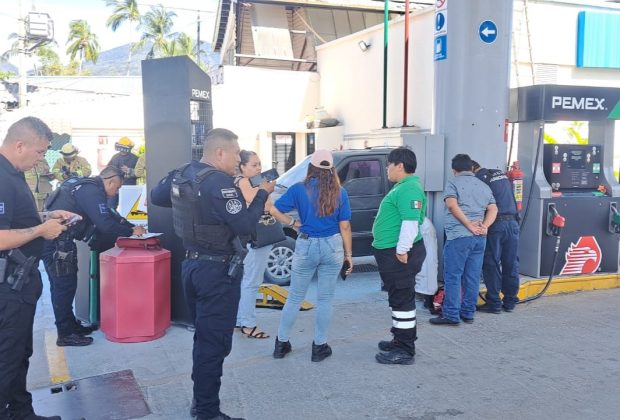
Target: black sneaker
320,352
84,329
440,320
73,340
395,357
221,416
467,320
508,308
281,349
488,309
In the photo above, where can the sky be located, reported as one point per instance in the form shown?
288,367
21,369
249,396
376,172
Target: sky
95,12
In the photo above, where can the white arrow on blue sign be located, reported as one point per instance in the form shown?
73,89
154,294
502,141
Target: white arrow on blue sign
488,31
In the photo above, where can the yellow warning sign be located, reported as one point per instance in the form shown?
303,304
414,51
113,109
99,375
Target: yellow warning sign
134,213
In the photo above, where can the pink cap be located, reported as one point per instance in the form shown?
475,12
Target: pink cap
322,159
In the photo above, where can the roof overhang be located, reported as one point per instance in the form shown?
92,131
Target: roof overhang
223,10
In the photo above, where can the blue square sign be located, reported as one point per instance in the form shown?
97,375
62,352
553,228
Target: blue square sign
441,47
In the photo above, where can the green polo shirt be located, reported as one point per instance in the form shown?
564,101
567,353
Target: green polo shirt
406,201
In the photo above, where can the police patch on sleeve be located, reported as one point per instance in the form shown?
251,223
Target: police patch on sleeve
1,208
229,192
233,206
416,204
103,209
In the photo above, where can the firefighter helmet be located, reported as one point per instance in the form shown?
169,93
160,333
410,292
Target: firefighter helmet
68,150
124,144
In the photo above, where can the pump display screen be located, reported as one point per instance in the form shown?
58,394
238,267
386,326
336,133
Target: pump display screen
573,166
576,159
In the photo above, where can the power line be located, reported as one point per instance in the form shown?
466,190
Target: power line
178,8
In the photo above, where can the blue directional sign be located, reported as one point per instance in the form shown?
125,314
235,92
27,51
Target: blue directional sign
440,21
441,47
488,31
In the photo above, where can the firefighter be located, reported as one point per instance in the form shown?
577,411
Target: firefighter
38,179
70,164
125,160
86,197
209,214
500,268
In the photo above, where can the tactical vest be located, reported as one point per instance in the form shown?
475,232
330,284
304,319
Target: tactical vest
188,215
62,198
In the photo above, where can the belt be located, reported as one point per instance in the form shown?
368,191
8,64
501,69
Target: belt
306,236
193,255
506,217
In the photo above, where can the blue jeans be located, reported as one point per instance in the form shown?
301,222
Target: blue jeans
501,263
462,266
323,256
254,266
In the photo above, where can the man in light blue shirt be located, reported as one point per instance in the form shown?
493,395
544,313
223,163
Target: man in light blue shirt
470,210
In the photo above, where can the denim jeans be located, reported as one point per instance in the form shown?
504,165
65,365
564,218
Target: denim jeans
501,263
254,266
323,256
462,266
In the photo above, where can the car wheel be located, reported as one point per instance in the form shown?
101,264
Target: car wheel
279,262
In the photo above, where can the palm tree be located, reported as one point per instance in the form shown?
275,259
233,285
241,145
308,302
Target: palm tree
124,11
156,25
82,41
180,44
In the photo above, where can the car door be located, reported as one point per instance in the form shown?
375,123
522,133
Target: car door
365,180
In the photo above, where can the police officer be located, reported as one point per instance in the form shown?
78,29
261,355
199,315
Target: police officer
21,237
86,197
501,262
210,217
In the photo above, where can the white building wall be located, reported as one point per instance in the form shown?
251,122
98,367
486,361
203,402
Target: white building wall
352,80
255,102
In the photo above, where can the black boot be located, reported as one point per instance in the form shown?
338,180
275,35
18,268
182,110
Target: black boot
395,357
320,352
281,349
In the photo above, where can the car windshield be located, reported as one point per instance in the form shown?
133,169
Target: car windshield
294,175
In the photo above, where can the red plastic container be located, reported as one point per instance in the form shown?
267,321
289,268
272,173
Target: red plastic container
135,294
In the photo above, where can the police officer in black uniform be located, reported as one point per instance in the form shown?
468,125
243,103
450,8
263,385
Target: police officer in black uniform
21,240
86,197
209,213
501,262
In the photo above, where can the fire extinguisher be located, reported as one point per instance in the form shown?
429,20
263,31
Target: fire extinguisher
516,175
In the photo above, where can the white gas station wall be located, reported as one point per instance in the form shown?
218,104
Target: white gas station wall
352,80
253,102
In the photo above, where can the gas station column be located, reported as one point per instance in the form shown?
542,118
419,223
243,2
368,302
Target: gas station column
472,77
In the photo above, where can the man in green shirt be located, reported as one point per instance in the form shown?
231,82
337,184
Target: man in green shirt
399,251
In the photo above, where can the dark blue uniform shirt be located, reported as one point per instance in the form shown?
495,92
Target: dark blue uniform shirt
221,201
502,190
18,209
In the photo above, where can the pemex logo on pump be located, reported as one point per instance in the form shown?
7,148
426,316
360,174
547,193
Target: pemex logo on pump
584,257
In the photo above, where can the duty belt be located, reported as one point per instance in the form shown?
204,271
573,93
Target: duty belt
506,217
193,255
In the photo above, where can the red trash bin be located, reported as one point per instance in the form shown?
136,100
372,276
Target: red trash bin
135,293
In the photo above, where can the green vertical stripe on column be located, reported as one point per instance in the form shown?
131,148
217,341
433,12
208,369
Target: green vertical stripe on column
615,112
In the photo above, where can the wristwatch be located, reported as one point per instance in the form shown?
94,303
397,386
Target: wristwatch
292,222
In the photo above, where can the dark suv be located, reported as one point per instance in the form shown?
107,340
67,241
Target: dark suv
362,173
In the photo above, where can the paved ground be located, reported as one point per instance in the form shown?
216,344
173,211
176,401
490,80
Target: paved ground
556,358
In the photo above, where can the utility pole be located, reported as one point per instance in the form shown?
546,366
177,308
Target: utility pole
198,41
21,42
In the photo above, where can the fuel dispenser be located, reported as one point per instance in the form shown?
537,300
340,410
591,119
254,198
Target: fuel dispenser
567,187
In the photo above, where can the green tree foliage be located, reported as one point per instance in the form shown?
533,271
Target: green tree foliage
83,42
156,26
124,11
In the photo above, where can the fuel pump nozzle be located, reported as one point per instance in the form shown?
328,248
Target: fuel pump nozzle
555,222
614,218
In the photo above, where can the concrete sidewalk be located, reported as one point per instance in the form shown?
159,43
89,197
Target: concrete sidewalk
555,358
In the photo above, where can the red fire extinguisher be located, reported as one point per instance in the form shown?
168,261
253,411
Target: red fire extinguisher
515,174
